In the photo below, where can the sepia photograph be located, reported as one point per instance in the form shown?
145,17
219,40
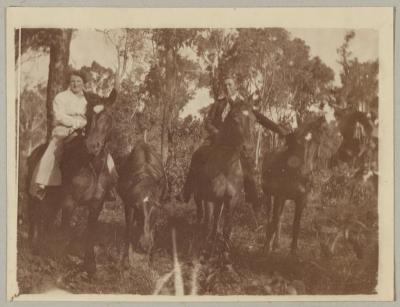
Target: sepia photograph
209,160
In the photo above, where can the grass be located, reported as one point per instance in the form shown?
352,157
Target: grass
338,253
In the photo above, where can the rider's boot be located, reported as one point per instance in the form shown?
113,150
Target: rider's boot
38,191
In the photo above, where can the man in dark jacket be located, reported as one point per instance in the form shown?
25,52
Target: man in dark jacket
213,122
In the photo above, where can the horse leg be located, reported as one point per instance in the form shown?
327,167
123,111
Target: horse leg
38,228
273,224
217,216
199,209
129,220
89,260
51,209
136,227
271,207
34,223
209,218
68,205
227,218
277,237
300,204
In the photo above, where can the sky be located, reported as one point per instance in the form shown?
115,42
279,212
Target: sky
90,45
324,43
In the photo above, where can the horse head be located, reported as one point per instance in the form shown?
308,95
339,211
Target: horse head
141,186
100,124
304,133
237,127
301,141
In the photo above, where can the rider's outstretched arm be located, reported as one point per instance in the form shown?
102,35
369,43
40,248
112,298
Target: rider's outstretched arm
267,123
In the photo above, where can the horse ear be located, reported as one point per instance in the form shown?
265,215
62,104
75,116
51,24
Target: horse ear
113,96
109,101
298,119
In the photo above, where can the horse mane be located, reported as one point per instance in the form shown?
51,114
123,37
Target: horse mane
143,172
75,156
143,161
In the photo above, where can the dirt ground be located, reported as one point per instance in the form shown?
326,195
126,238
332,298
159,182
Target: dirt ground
337,255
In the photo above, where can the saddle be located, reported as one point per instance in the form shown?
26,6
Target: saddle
74,156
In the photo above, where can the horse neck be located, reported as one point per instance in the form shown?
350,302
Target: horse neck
99,161
228,140
228,146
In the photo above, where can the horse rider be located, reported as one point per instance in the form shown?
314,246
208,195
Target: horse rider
70,113
213,122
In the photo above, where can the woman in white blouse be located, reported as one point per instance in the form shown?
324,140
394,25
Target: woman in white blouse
69,115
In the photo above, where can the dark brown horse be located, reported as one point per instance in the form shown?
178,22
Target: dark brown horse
86,180
285,176
219,178
352,147
143,187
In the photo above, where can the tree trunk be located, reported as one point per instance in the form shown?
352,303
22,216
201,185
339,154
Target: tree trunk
164,134
58,69
168,102
258,147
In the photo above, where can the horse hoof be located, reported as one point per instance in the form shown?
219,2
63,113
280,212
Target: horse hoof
35,251
90,274
124,264
90,269
266,251
293,253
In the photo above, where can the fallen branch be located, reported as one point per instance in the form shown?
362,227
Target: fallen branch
177,268
195,273
162,281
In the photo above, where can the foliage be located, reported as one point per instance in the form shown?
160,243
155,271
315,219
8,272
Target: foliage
359,80
186,136
32,119
277,68
171,81
212,46
126,112
158,76
32,131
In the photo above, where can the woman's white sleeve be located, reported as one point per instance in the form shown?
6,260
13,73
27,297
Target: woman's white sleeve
60,115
